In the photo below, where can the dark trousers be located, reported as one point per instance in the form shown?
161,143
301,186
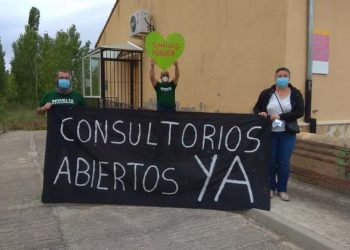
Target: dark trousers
282,146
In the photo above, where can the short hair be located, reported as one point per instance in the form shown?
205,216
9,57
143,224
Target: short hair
282,68
164,73
63,71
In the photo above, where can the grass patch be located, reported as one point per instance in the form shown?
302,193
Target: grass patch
21,117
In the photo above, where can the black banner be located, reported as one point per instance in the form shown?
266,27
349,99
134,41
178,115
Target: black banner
137,157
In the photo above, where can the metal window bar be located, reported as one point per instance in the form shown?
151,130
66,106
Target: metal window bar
121,70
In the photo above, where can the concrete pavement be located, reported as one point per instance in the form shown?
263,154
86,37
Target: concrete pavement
315,218
26,223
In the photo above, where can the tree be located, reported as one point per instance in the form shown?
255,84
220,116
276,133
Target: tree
77,64
38,58
46,64
34,18
11,89
24,62
3,74
68,53
23,65
3,79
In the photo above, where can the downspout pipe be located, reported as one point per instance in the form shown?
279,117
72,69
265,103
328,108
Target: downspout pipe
308,82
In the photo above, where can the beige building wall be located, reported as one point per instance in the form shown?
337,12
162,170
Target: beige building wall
233,48
330,99
331,92
296,42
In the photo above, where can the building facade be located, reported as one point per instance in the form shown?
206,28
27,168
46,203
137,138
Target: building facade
233,48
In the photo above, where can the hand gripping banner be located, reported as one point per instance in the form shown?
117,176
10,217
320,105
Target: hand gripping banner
148,158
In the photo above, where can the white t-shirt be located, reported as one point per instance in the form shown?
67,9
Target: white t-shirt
273,108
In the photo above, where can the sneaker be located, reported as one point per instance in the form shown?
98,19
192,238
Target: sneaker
271,194
284,196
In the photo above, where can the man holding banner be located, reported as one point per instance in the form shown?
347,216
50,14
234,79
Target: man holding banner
62,95
165,88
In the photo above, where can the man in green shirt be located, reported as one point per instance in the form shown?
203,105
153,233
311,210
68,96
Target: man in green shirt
165,89
62,95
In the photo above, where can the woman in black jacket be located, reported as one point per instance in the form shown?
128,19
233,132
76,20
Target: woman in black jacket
280,103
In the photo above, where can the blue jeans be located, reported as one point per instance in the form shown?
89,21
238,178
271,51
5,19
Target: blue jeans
282,146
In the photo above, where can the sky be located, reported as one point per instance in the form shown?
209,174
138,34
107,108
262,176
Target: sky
89,17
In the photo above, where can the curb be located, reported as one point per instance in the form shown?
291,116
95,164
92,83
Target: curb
296,233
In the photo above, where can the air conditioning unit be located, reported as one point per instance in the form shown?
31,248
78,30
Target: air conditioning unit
140,23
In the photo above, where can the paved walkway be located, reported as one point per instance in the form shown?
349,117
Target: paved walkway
26,223
320,210
315,218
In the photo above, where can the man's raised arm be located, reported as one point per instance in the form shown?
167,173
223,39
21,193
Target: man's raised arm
152,74
177,73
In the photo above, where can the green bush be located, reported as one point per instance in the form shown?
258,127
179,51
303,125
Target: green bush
14,116
2,107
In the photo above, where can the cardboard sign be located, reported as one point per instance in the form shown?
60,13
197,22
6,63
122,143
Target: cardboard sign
164,51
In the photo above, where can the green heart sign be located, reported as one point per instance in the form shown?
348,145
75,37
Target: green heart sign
164,51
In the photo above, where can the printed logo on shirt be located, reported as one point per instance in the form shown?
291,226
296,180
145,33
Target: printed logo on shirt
62,101
165,89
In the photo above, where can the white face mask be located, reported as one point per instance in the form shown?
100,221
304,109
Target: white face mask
165,79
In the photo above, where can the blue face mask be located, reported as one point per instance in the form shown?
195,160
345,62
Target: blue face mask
63,83
282,82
